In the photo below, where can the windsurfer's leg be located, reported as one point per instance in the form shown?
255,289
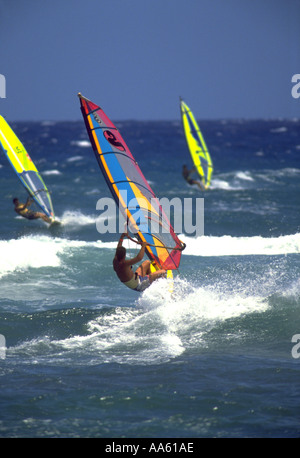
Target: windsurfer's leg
144,269
47,219
32,215
155,275
200,185
43,217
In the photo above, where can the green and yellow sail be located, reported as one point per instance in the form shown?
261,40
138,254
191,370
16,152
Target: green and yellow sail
25,169
196,145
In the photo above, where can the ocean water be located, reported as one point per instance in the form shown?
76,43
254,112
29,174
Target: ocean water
83,356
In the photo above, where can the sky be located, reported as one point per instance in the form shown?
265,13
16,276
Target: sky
227,59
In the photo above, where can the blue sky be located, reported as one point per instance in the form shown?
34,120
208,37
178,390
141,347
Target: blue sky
227,59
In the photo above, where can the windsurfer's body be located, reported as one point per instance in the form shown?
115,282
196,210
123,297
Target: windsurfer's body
22,210
142,277
186,173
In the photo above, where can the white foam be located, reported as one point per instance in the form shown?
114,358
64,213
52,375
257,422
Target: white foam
227,245
240,180
162,326
19,254
81,143
35,252
191,312
217,183
244,176
159,329
279,130
74,158
76,218
233,181
52,172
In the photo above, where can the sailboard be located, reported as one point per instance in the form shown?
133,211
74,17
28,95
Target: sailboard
137,202
25,168
196,145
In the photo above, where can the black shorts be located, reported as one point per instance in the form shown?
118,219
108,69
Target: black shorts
31,215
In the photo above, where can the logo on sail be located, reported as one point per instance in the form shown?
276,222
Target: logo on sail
110,137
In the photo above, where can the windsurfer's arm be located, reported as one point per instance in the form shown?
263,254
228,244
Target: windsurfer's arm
121,239
22,207
139,256
191,172
28,202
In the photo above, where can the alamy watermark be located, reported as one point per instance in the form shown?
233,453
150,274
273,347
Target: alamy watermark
186,215
2,87
296,87
296,348
2,347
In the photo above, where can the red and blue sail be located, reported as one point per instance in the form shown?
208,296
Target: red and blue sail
128,184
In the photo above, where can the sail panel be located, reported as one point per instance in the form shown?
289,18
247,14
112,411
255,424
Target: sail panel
24,167
196,144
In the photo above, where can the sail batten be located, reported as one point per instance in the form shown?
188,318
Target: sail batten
25,169
130,189
196,144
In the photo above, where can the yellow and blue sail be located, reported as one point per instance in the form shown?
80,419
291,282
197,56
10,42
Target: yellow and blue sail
196,144
128,184
25,168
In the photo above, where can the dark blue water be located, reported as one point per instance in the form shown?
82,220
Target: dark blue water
87,357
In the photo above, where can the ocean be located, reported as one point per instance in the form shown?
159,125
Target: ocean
83,356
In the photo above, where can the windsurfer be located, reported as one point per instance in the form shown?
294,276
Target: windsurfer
186,173
22,209
142,277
